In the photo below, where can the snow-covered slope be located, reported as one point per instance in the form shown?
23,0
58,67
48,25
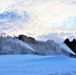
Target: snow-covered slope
37,65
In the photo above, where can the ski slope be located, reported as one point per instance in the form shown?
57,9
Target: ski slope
37,65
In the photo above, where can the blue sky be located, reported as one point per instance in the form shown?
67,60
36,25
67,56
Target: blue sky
38,17
12,17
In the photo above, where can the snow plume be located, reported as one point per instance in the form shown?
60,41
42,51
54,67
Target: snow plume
65,47
58,37
14,46
9,45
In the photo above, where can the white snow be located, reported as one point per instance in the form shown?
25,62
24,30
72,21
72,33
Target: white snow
65,47
29,47
37,65
26,45
9,44
23,44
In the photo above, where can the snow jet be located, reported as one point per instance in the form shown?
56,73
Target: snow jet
65,47
10,45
